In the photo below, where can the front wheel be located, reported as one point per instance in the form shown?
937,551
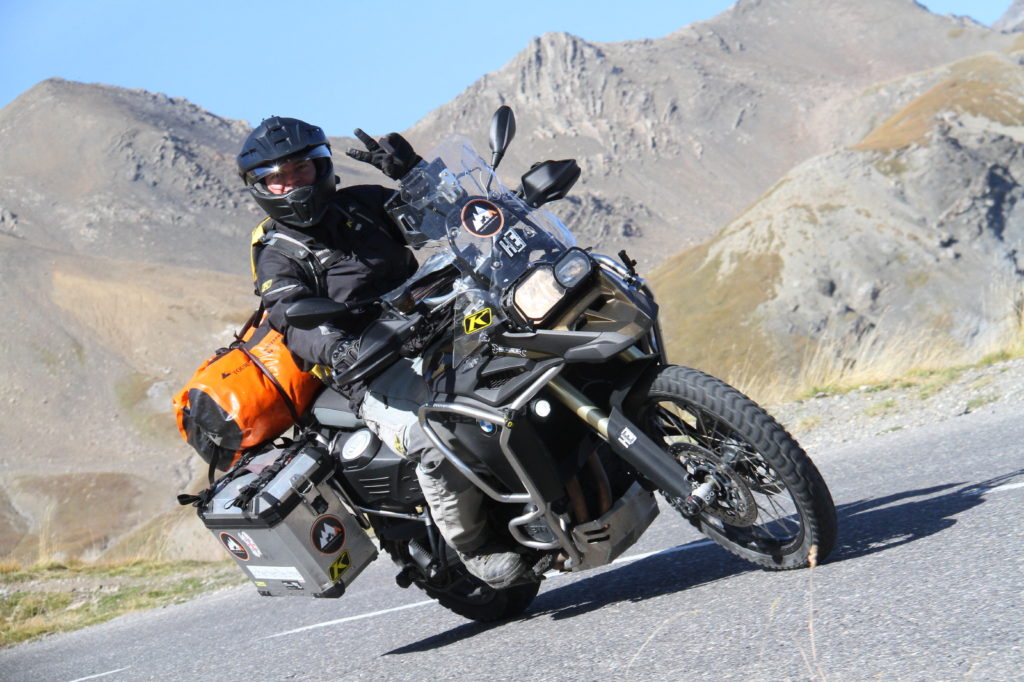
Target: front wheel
770,504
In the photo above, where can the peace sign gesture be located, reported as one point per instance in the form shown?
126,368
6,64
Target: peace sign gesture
392,154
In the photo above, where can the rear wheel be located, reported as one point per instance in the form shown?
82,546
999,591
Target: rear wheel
475,600
770,504
461,592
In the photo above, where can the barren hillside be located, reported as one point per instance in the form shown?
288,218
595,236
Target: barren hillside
123,228
908,239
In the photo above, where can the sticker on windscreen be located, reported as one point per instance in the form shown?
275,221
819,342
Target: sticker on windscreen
482,218
511,242
481,319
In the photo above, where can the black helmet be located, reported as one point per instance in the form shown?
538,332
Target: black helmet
277,141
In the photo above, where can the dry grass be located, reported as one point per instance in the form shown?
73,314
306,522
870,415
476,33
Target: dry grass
811,660
709,318
985,85
923,358
981,401
51,597
831,366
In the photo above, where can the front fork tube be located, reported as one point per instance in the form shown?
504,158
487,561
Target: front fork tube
626,440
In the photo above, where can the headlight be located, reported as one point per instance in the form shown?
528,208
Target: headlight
538,293
573,267
546,286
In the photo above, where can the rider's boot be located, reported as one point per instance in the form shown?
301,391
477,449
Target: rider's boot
456,506
495,565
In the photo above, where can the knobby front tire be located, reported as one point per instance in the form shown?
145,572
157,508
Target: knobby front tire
774,508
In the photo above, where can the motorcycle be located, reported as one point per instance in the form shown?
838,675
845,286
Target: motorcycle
551,393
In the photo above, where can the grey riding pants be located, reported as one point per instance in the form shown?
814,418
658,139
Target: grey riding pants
389,410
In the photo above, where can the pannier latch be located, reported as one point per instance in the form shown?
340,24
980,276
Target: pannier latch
302,486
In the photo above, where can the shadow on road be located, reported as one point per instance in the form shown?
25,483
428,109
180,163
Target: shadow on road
882,523
671,571
865,527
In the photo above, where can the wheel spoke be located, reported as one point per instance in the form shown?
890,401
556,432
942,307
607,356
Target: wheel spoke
777,522
771,504
781,518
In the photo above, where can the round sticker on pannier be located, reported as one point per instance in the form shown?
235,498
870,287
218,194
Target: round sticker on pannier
482,218
234,546
328,534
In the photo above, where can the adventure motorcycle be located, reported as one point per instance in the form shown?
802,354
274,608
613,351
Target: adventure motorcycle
551,393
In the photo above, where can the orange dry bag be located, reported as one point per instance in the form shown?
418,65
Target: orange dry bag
243,396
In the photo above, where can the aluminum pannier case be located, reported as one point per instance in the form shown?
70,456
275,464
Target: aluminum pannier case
278,515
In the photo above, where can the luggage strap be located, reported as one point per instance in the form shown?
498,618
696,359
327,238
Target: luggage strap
249,491
203,497
239,343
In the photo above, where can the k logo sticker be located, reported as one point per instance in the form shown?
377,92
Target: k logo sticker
481,319
482,218
340,565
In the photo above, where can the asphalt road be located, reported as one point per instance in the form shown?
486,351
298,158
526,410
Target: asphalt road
927,582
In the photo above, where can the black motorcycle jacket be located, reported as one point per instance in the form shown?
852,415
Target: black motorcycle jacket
359,254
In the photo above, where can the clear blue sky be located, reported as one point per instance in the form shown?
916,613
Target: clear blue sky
378,65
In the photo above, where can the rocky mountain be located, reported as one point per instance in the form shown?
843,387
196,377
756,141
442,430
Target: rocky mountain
126,174
1012,20
677,135
902,246
123,227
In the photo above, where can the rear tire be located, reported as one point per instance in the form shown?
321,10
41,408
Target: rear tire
774,508
475,600
462,592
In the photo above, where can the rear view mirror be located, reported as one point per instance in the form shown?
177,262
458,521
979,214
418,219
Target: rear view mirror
503,129
548,181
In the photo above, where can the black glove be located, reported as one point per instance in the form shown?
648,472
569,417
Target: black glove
343,355
413,346
393,154
423,336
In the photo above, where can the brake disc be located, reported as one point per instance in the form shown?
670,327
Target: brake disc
734,503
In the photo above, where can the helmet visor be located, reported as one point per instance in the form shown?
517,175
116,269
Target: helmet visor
255,176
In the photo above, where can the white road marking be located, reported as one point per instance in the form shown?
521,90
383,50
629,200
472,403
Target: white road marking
338,621
1008,486
383,612
93,677
997,489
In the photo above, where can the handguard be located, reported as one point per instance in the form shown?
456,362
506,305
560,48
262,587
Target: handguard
377,349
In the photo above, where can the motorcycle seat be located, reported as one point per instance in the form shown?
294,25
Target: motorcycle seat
333,409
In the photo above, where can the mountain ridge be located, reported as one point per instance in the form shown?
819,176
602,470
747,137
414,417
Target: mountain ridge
887,243
691,121
124,228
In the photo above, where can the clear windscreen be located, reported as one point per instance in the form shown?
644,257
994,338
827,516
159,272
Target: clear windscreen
494,237
463,204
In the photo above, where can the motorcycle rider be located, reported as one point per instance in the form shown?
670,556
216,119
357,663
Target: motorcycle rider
321,241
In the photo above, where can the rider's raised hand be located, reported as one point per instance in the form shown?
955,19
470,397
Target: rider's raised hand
392,154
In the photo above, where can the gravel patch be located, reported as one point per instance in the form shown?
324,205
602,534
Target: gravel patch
918,401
